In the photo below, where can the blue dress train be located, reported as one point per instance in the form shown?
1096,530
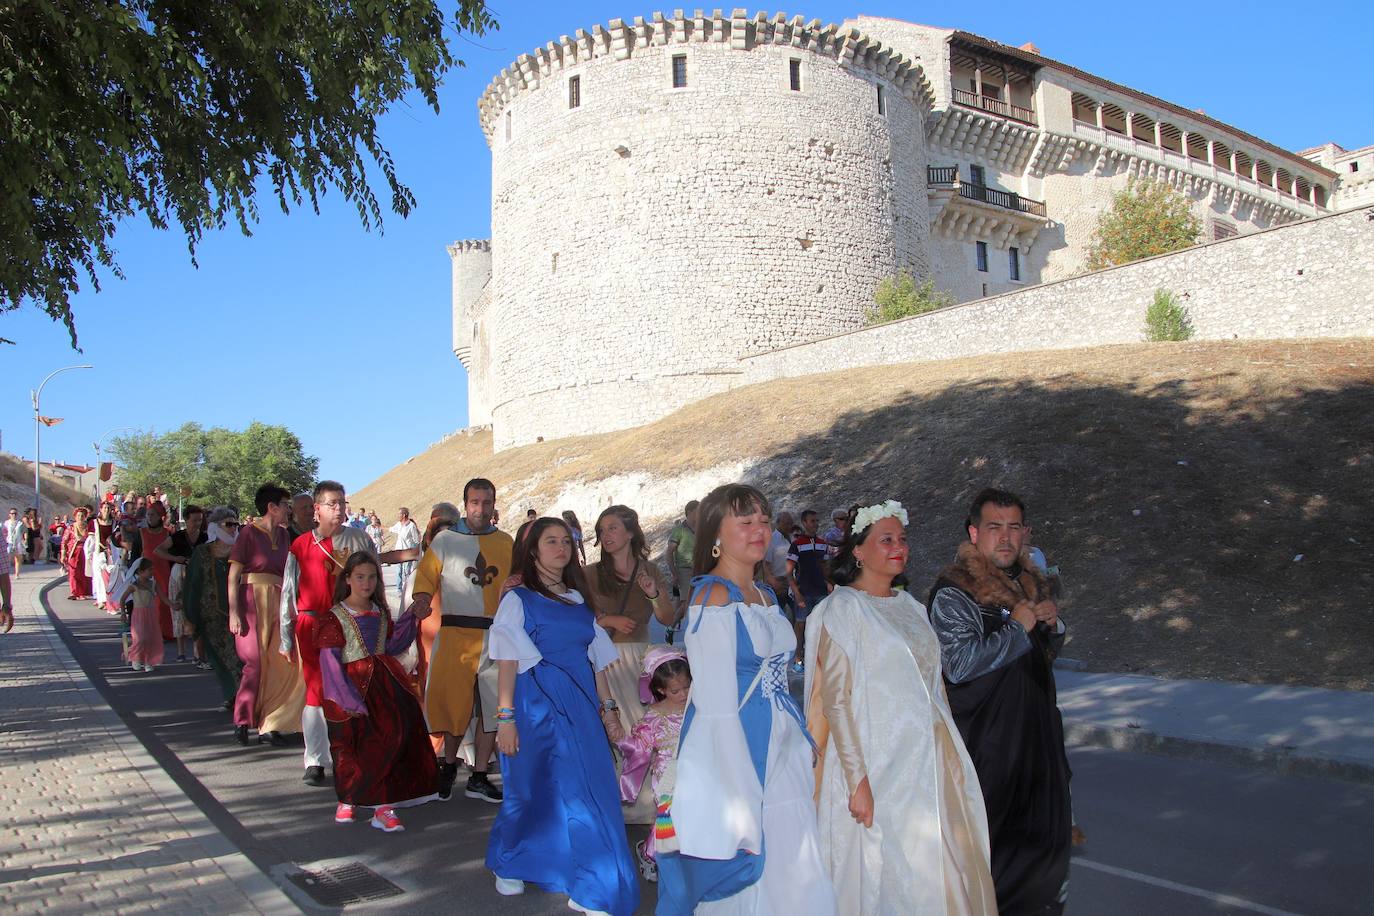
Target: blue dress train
560,826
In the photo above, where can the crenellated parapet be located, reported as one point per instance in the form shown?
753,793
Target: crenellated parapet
466,245
739,31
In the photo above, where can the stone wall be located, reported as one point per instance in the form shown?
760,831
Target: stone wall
646,238
1309,279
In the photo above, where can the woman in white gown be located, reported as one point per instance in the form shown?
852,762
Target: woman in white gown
902,826
741,815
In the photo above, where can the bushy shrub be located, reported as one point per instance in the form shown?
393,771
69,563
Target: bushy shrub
1146,219
901,296
1166,319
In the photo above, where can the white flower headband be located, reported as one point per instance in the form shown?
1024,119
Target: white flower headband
889,509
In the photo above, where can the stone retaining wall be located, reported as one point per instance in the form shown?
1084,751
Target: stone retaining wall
1308,279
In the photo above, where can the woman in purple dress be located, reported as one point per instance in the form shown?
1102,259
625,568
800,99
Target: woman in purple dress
271,693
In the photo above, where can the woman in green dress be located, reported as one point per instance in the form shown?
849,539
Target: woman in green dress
206,598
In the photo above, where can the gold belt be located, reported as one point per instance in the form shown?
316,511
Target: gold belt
260,578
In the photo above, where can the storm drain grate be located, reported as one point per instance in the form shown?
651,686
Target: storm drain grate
341,885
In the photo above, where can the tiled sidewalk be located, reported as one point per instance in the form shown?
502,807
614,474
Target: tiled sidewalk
90,822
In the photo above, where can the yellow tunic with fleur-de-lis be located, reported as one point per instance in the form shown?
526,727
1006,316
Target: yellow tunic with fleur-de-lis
466,571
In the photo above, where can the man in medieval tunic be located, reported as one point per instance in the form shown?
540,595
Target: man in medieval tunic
465,566
999,633
307,592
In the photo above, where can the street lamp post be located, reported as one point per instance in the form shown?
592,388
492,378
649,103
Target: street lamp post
97,446
38,431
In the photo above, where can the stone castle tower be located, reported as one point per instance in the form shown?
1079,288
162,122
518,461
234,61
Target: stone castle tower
672,194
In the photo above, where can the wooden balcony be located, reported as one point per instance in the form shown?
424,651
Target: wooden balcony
994,106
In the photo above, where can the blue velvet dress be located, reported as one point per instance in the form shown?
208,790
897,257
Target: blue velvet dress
560,826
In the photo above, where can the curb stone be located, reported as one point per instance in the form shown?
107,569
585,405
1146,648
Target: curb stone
1280,761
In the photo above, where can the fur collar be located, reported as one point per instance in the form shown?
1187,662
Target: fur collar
974,574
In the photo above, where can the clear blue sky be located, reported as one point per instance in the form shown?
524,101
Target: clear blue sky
219,345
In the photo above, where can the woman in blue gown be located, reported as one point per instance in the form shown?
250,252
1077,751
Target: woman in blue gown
560,826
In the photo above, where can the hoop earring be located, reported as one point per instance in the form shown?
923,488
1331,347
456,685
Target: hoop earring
858,564
715,549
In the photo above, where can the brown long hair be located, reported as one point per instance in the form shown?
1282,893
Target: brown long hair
727,499
527,552
606,581
356,559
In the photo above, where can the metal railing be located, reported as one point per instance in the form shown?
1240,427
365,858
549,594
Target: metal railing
995,106
941,174
948,176
1002,199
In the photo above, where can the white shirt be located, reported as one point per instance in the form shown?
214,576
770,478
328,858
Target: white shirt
14,534
407,535
776,558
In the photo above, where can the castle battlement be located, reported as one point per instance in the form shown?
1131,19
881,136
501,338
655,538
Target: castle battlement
740,31
463,245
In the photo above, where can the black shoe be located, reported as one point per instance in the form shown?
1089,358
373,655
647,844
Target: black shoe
314,776
241,735
227,705
480,788
448,773
277,739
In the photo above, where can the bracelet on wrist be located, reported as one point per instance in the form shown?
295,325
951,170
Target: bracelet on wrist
505,714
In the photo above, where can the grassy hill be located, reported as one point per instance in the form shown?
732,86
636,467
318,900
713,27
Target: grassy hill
1206,502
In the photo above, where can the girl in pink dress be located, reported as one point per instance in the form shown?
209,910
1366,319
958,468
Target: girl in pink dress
651,746
145,627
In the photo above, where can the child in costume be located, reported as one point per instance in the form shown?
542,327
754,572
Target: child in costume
651,746
377,735
145,629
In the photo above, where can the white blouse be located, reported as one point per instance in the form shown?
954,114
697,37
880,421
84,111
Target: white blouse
507,640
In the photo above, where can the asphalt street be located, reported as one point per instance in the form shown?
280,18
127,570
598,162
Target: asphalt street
1165,836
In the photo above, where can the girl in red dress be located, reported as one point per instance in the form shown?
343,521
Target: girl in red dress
377,733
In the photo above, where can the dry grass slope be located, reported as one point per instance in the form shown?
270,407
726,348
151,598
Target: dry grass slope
1176,484
16,489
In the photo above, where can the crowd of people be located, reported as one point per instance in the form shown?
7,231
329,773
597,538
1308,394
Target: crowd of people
923,772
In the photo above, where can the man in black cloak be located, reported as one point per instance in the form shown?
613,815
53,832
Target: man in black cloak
999,633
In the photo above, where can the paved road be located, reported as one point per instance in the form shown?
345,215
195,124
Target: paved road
1166,836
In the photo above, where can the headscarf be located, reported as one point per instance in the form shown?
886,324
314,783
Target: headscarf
215,532
656,656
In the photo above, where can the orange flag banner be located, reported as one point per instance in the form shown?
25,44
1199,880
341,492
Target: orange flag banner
50,421
106,470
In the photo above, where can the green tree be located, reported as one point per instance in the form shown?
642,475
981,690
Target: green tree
1146,219
182,110
900,296
1166,318
221,466
237,463
170,460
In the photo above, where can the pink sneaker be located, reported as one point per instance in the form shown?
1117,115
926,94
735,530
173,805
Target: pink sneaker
343,814
385,819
